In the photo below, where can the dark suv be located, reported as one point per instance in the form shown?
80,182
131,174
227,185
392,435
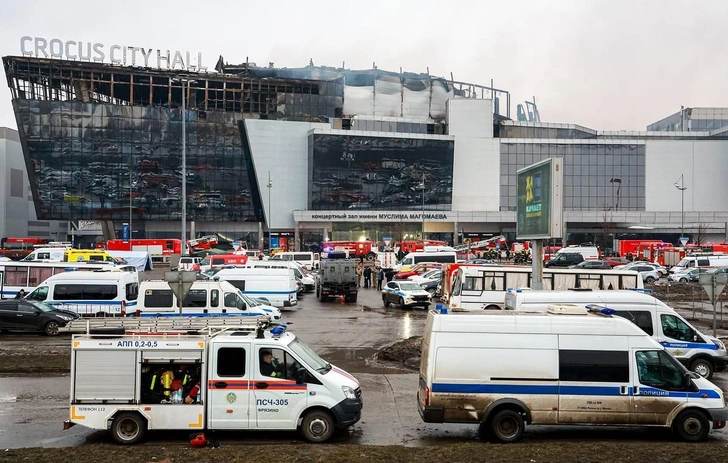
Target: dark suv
564,259
26,315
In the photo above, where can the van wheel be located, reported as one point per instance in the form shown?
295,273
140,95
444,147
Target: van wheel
51,329
649,280
128,428
371,256
702,367
507,426
691,426
385,301
492,307
317,426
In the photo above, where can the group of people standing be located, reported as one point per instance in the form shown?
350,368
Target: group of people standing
365,275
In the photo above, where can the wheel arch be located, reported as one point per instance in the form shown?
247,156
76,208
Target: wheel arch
684,408
316,408
507,404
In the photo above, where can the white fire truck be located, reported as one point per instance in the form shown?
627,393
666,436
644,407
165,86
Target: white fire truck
252,378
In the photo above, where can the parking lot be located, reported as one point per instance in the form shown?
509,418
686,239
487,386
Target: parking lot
32,408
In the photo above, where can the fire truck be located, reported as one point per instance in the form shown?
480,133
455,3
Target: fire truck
419,245
18,248
624,247
247,378
202,243
159,249
479,249
356,249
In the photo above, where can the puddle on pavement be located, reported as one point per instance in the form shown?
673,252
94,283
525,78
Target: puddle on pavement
360,360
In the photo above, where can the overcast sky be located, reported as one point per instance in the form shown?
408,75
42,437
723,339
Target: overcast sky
604,64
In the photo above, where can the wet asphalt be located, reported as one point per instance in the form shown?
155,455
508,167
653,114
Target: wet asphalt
32,409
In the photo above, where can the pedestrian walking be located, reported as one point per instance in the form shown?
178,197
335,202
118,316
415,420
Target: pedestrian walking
367,277
359,271
380,277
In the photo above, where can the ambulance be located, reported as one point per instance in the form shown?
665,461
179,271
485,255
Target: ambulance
250,378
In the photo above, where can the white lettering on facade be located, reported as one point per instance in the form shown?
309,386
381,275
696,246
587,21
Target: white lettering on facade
118,54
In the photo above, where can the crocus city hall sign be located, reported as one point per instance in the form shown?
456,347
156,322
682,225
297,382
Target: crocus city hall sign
122,55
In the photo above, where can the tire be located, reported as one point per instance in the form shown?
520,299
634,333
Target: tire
317,426
683,280
506,427
649,280
128,428
401,303
691,426
703,367
385,301
371,256
51,328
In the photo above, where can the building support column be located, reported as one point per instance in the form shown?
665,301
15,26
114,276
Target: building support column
193,231
296,238
456,234
324,235
563,236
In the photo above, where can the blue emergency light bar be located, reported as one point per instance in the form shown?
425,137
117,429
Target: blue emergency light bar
278,330
599,309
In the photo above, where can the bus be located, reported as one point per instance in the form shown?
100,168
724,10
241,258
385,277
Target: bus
484,287
159,249
15,276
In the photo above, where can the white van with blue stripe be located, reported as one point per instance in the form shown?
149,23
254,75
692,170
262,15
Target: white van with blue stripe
274,286
504,370
204,299
90,293
699,352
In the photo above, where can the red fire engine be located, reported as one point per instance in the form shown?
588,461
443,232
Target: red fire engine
625,247
17,248
204,242
419,245
159,249
366,249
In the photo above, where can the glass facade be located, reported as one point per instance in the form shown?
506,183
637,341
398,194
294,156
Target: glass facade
596,176
383,173
91,160
565,132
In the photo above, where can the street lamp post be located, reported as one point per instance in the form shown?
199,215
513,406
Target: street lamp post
682,189
184,80
270,215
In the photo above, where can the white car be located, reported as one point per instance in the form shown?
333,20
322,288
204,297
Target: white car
686,275
648,273
406,294
660,269
427,276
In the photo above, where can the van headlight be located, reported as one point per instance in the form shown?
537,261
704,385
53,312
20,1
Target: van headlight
719,343
349,392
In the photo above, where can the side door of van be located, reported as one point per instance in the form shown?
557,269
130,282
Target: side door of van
279,398
229,398
659,386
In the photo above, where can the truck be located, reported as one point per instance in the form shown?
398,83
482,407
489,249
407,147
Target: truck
337,277
357,249
256,377
624,247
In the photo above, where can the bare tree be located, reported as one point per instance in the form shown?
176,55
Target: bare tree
605,239
701,234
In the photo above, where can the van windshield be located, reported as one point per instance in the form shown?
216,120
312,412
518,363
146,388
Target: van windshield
684,263
309,357
248,300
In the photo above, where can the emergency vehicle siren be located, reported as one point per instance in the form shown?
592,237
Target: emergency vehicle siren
600,310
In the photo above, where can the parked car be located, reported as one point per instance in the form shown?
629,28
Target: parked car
406,294
716,270
564,259
27,315
660,269
432,287
427,276
648,273
418,269
686,275
593,264
480,262
614,261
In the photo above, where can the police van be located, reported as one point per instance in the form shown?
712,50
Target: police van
699,352
504,370
298,270
246,379
204,299
90,293
275,286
